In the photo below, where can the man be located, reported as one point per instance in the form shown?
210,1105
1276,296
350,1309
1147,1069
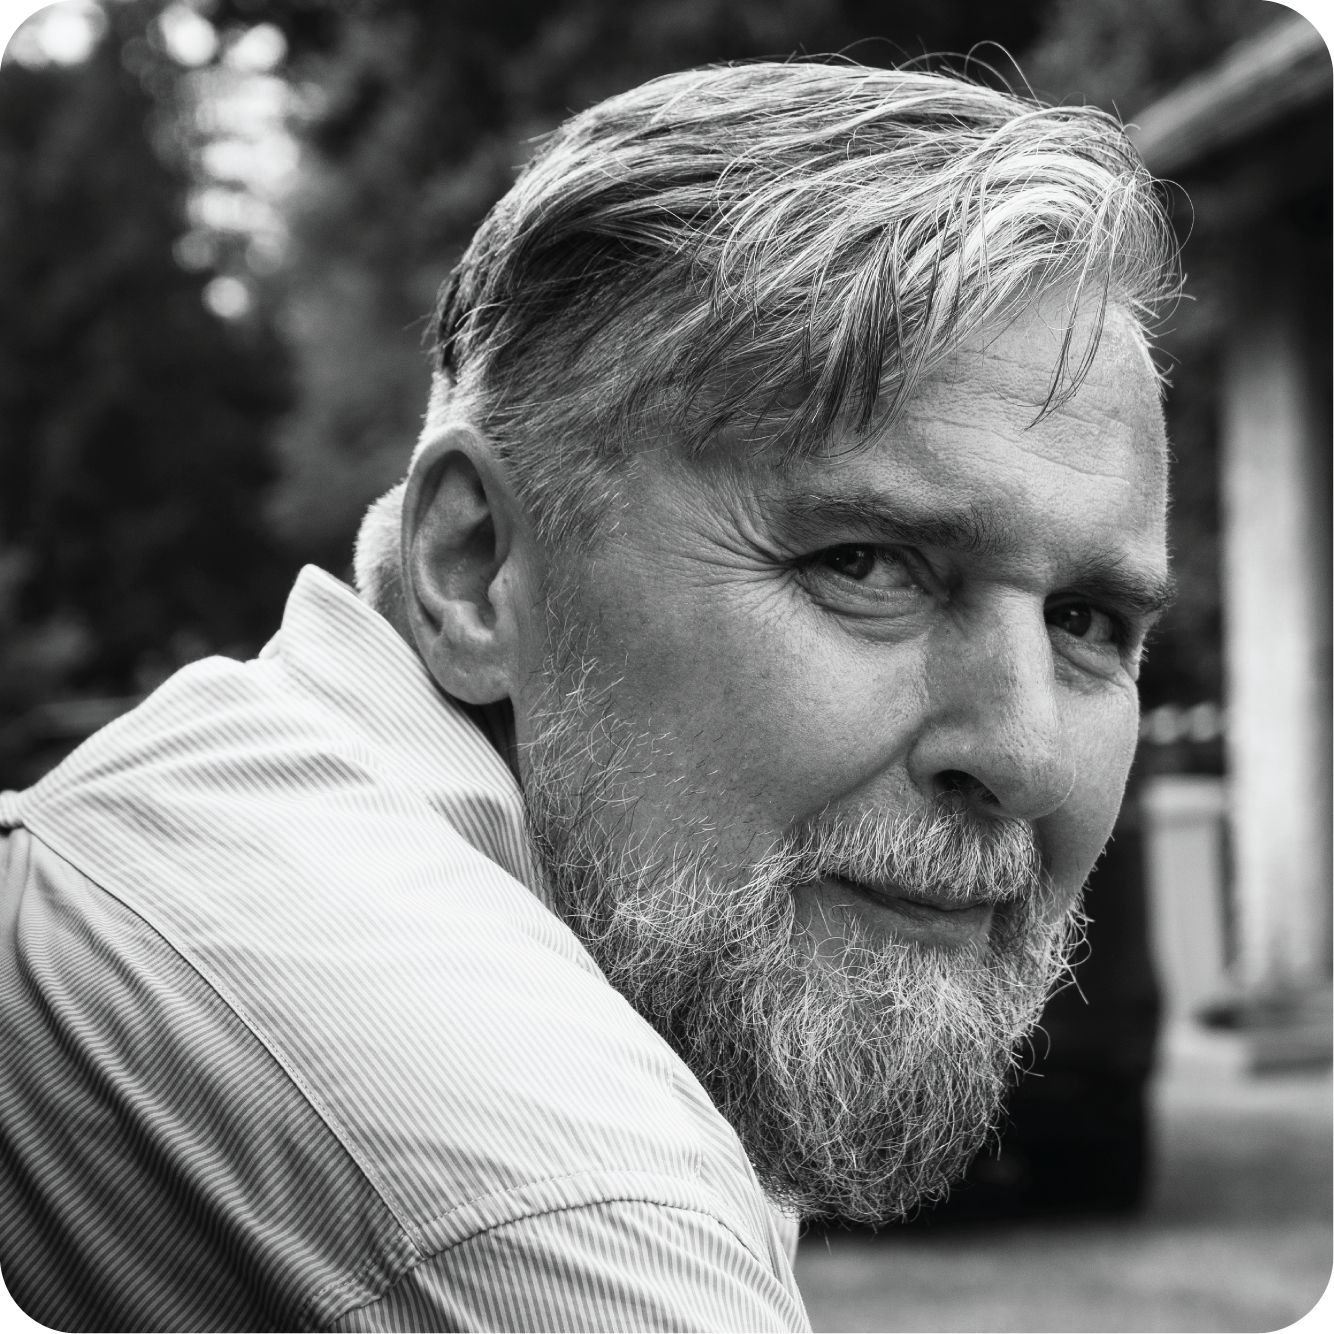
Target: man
692,824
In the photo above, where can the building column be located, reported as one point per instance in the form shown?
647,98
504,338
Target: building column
1183,819
1275,576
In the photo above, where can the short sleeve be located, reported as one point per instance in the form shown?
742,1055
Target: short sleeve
621,1265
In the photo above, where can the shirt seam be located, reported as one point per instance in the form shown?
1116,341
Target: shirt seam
425,1257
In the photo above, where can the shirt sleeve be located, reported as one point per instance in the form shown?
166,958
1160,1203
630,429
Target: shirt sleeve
158,1168
621,1265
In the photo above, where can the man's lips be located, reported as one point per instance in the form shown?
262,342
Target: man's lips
892,896
927,921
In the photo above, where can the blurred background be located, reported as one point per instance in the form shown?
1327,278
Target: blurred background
222,226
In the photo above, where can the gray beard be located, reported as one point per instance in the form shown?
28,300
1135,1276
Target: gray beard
860,1083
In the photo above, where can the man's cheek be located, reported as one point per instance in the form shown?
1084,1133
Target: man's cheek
1079,831
788,749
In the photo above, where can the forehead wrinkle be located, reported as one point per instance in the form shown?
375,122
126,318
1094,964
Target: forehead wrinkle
995,364
1071,460
1107,423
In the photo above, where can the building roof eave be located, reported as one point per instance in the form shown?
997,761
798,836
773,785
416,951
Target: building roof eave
1281,71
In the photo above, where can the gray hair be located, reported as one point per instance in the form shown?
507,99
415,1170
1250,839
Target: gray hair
785,248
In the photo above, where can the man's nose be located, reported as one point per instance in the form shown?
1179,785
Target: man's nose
994,731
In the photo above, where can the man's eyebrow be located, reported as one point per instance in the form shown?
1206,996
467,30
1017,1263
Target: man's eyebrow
1143,593
875,513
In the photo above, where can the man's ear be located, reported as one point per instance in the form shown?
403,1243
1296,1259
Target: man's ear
464,539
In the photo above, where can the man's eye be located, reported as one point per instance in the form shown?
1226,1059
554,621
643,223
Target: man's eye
1083,622
872,567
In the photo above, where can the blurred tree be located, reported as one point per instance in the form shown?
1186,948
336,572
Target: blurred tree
417,115
133,421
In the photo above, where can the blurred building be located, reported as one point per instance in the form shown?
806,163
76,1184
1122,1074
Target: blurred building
1247,146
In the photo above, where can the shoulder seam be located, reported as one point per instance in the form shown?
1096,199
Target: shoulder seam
425,1257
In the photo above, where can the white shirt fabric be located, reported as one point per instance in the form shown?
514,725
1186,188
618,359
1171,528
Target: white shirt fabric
288,1040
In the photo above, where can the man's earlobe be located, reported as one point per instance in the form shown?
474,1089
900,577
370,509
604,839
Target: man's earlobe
460,525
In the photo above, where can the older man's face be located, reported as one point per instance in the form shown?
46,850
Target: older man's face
945,618
957,606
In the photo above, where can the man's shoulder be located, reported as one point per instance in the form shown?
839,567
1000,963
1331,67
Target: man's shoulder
443,1025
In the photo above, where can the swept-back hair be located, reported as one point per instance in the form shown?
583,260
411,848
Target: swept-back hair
777,247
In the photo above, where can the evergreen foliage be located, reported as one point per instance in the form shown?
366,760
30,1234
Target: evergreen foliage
133,422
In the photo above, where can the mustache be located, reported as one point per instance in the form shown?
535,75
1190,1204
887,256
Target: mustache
945,854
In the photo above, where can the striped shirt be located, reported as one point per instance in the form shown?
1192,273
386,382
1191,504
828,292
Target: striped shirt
288,1039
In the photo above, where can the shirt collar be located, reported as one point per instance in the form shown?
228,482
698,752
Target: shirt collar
350,657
